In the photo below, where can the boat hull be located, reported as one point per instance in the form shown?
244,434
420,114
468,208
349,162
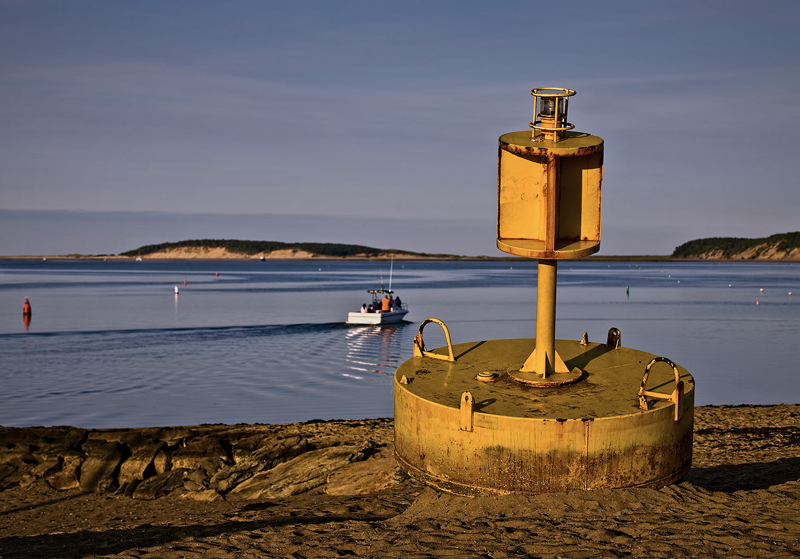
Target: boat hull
391,317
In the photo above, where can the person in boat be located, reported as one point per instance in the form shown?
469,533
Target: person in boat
397,304
364,308
370,309
386,303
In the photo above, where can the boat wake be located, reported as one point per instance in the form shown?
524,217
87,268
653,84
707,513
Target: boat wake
219,374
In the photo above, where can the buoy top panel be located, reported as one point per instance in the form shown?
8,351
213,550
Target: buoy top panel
549,196
609,385
573,144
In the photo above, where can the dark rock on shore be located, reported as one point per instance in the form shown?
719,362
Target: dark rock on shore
207,462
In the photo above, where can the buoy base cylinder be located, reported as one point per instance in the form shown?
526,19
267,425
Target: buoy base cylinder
470,437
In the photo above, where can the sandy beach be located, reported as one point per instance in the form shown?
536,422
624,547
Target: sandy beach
740,499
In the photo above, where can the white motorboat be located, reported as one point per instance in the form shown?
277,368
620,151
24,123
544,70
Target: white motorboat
373,313
383,310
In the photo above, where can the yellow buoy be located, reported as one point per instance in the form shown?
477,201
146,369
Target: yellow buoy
543,415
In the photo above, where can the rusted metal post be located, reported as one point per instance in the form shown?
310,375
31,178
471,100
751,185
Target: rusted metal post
546,317
543,360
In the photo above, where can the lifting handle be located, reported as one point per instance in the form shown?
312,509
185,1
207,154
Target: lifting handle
419,345
674,398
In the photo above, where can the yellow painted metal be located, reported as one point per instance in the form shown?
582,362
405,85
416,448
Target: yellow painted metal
549,195
543,415
471,437
544,359
419,345
549,188
674,397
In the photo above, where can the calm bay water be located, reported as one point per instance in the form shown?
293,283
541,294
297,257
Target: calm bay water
110,345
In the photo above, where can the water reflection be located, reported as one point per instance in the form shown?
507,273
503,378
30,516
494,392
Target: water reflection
375,349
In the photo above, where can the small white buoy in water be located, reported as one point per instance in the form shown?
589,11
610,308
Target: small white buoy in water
176,290
761,290
729,285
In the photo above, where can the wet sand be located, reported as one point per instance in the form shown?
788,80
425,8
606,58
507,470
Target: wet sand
740,499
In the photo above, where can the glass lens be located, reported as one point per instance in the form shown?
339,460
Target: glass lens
548,106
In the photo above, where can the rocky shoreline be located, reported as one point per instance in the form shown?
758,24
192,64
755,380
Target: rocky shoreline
331,489
205,462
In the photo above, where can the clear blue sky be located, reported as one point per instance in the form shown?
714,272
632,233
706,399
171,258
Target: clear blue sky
153,121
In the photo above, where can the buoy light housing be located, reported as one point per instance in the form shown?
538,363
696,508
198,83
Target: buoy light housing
550,108
548,208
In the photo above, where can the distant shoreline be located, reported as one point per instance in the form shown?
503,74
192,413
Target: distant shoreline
453,258
782,247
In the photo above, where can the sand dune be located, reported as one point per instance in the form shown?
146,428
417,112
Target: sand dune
218,253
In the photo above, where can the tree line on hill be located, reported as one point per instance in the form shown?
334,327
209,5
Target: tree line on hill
732,247
714,247
250,248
